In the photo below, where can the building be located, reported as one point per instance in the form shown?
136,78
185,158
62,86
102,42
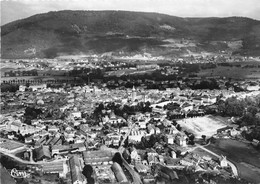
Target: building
141,168
42,153
135,157
76,171
133,94
136,135
180,140
119,173
97,157
65,149
59,168
76,114
22,88
173,154
38,87
224,129
147,67
223,161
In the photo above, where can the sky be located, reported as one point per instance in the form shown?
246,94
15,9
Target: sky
17,9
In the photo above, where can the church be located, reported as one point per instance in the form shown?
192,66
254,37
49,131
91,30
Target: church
137,96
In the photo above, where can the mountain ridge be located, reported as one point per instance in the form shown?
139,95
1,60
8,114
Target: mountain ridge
51,34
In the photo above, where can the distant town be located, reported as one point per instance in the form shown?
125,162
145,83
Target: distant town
135,119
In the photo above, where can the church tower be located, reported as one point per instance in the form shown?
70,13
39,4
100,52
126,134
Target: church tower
133,94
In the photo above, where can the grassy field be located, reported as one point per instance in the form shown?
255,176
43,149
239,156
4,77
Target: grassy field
206,125
243,155
234,71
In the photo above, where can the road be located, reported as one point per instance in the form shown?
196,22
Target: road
132,125
19,159
134,174
26,161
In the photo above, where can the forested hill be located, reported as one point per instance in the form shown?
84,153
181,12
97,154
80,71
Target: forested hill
76,32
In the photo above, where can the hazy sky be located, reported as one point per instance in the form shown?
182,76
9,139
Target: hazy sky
17,9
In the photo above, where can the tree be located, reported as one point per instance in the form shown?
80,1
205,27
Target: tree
152,140
178,127
87,171
90,180
203,137
191,139
117,158
144,142
252,109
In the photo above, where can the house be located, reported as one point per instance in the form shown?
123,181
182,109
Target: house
197,100
135,157
15,125
144,162
115,138
42,153
255,142
173,154
171,161
224,129
113,119
180,140
38,87
53,129
170,139
142,124
186,162
223,161
136,135
124,130
187,107
234,132
151,152
161,159
152,160
140,168
28,139
22,88
76,114
76,171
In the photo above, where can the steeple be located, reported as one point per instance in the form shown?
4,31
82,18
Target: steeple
133,88
133,94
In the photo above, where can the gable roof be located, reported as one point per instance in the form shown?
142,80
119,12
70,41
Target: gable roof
43,152
76,174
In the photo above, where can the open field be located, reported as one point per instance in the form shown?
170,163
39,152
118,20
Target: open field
233,72
244,156
236,70
202,152
129,72
206,125
10,145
